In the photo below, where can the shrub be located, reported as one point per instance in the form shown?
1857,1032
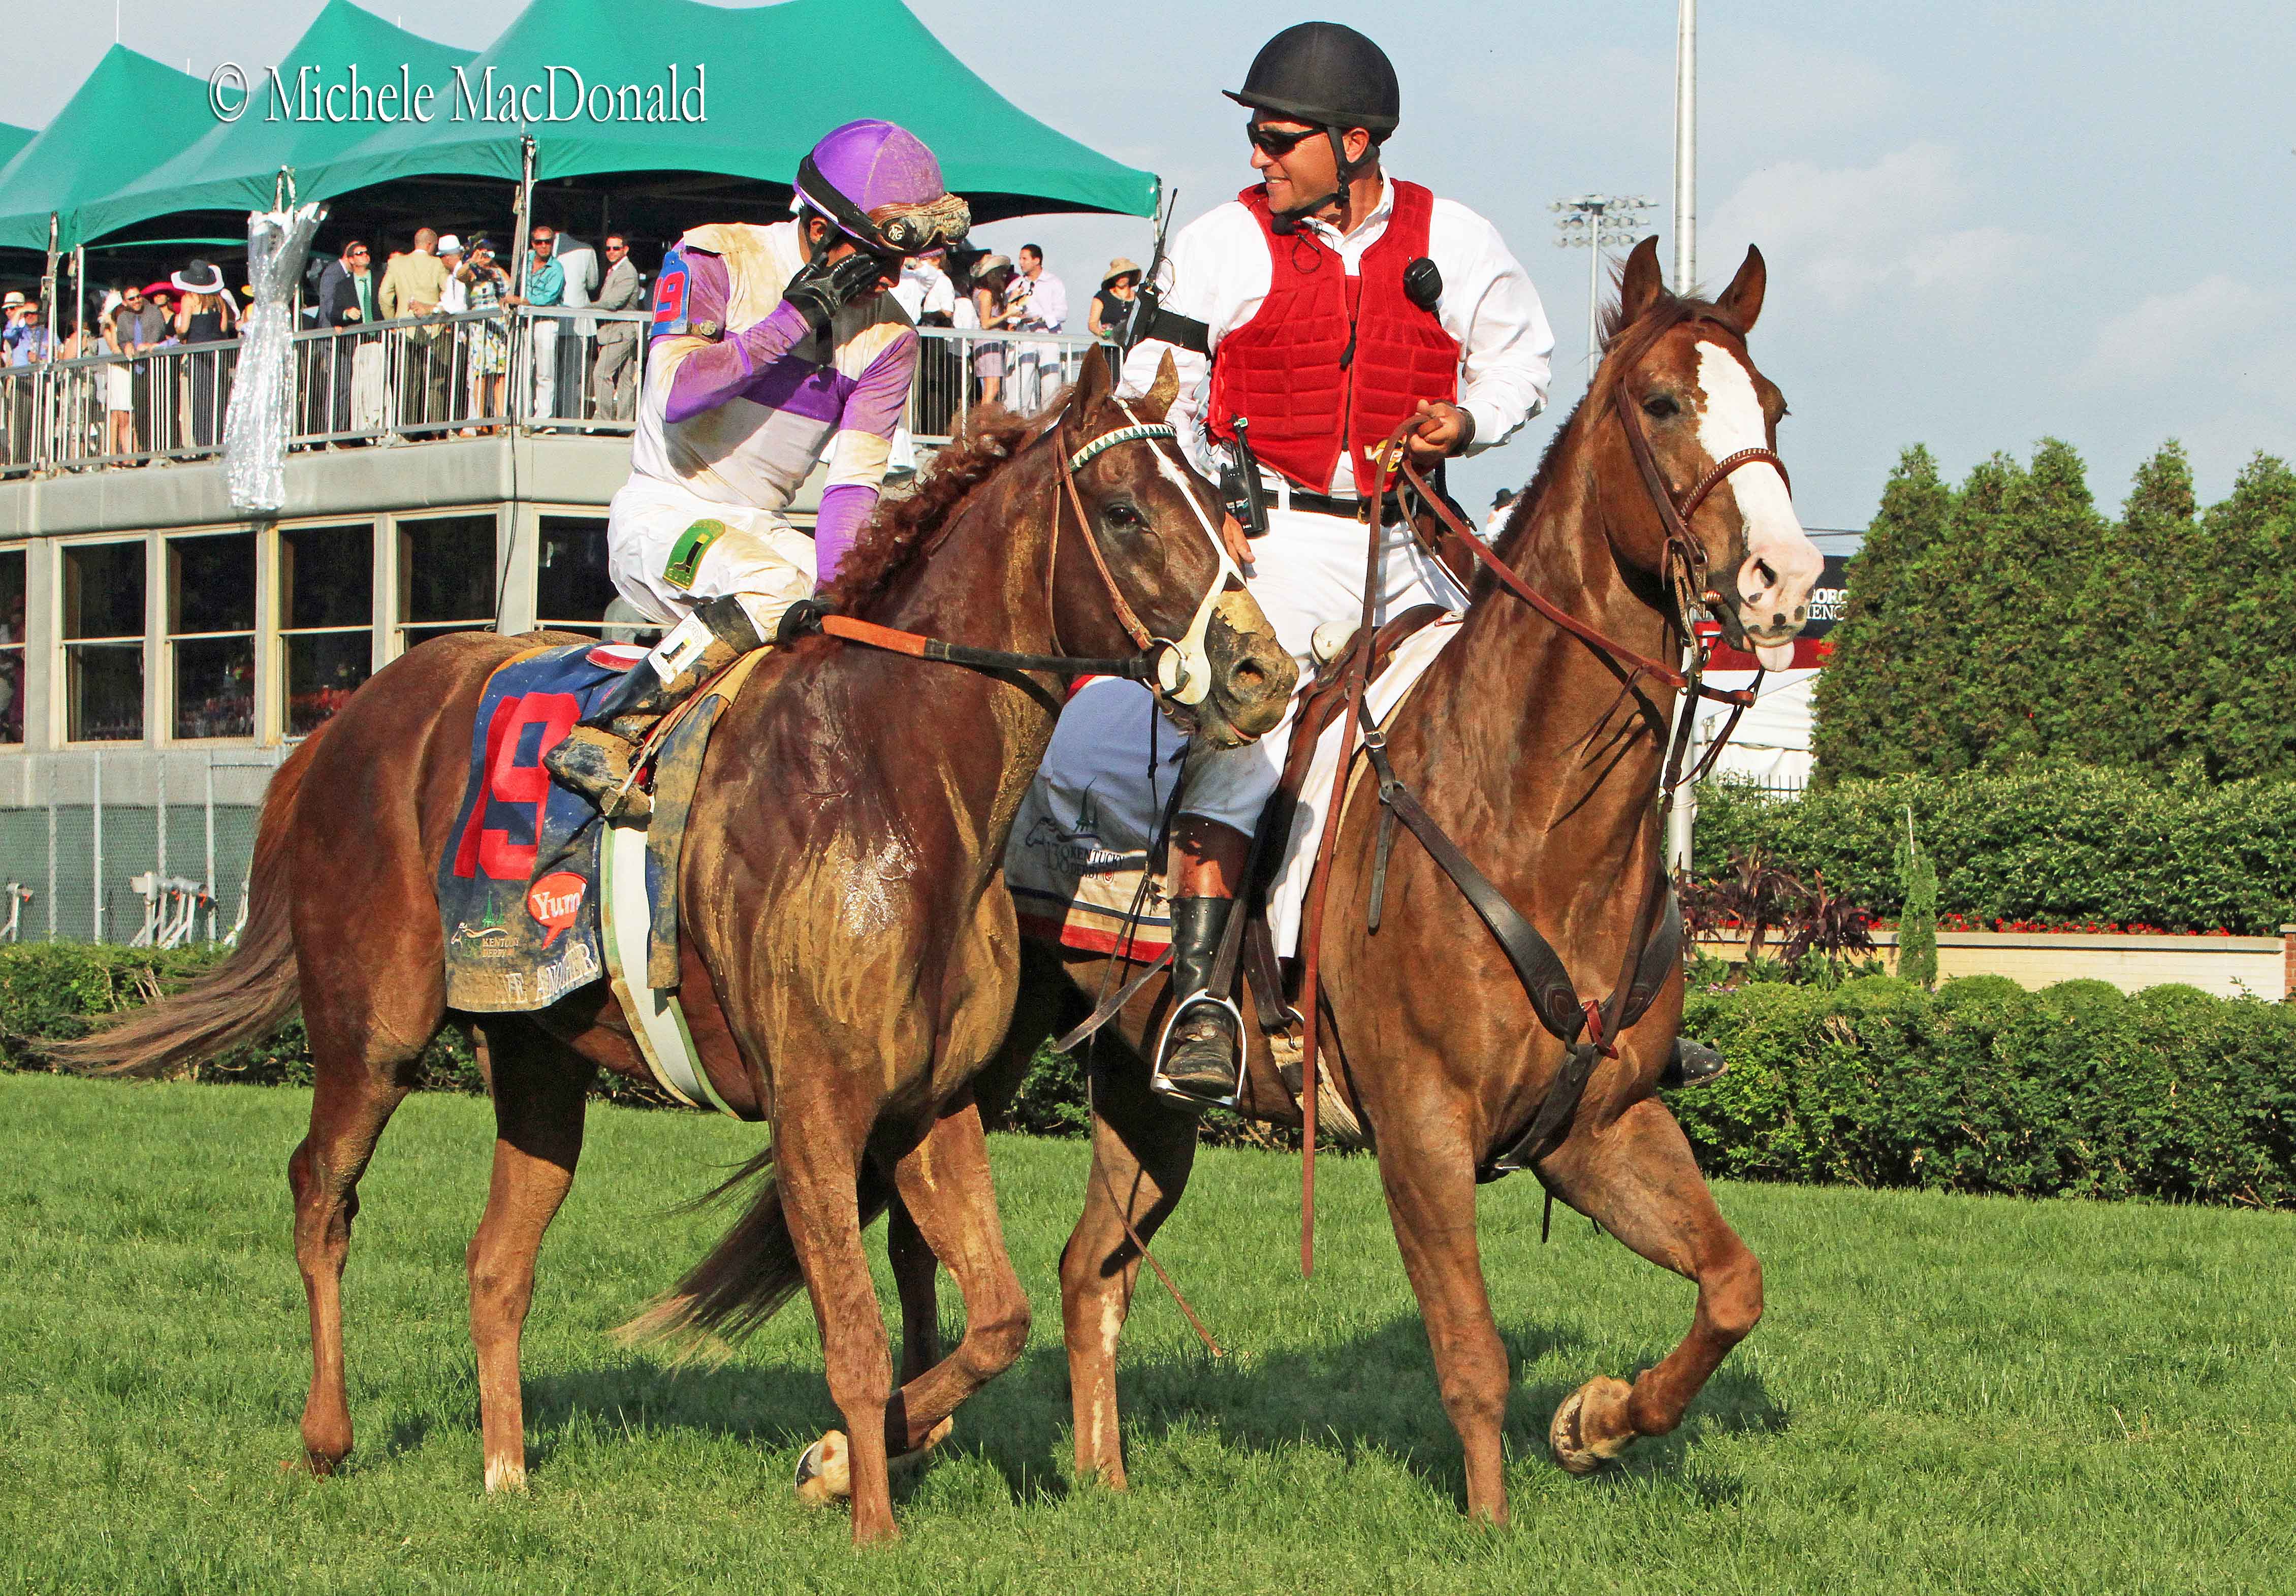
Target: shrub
2078,1091
52,990
2055,844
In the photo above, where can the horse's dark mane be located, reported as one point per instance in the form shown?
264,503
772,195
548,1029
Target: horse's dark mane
1624,345
901,526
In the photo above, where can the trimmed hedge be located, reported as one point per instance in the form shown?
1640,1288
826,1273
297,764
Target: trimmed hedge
2077,1091
51,990
2056,844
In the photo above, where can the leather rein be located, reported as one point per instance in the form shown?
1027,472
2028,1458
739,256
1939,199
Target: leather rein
1588,1027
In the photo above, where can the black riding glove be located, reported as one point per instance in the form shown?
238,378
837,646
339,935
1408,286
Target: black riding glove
823,287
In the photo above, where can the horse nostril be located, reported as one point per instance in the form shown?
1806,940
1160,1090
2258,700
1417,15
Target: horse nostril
1802,612
1250,678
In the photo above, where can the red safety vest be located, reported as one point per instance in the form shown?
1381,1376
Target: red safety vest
1331,362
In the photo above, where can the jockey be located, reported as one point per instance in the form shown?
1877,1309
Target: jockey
771,347
1325,305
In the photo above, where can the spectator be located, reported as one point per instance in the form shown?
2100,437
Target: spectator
992,275
616,382
138,326
118,388
577,334
1112,304
1502,503
926,293
412,285
487,288
12,312
453,293
545,285
1043,308
28,342
346,299
206,315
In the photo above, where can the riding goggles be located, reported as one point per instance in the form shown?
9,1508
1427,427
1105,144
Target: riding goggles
904,231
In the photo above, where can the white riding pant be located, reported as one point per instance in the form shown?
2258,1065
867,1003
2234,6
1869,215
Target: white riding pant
757,556
1309,570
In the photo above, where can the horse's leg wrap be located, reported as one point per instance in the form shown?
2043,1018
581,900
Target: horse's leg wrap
594,758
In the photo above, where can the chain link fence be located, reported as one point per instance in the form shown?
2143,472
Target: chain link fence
149,848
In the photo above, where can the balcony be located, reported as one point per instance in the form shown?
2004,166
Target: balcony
433,378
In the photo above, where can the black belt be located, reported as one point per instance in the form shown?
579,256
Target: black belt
1324,503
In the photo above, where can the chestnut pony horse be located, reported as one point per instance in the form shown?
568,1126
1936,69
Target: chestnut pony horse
850,951
1527,746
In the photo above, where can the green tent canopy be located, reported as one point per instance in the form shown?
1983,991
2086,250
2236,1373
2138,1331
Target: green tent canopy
234,165
12,138
117,125
772,79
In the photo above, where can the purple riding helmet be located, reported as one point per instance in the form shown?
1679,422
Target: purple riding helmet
882,187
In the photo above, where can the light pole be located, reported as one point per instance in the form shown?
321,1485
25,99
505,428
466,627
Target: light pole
1594,223
1685,146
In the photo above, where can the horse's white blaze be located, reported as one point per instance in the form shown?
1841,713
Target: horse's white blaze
1781,564
1195,659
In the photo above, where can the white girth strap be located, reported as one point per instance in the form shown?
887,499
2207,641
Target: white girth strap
657,1023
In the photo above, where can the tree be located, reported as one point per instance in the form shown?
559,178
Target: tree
1917,880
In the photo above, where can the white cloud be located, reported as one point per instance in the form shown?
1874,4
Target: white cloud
1908,223
2212,323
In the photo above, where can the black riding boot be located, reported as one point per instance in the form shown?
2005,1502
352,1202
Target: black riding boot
594,758
1202,1058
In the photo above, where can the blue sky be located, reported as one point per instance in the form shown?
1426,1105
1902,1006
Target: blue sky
1984,224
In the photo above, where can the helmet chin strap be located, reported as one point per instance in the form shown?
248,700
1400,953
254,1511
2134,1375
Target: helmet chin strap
1288,221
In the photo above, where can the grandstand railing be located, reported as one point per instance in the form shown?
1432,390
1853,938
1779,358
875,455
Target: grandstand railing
470,374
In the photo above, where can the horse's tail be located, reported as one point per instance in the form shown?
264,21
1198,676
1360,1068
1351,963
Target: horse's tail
747,1277
243,999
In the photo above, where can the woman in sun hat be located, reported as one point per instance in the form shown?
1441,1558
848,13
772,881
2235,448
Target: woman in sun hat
1112,304
990,274
206,315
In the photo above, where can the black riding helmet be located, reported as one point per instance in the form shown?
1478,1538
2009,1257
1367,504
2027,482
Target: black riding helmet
1328,76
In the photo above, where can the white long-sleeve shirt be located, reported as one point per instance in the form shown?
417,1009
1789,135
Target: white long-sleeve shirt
1048,308
1217,271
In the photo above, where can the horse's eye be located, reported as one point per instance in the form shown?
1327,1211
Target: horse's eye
1126,517
1660,408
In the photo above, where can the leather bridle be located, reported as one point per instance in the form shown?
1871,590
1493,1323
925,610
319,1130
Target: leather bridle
1161,662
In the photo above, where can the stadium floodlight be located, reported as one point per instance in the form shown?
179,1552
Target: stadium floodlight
1595,223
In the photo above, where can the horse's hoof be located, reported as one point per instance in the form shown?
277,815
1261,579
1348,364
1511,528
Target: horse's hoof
824,1473
1566,1435
902,1463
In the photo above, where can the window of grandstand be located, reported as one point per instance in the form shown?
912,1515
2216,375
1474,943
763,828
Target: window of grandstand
103,641
446,577
327,619
571,589
11,645
212,634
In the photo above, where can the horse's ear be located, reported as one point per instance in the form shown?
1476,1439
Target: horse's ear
1741,303
1157,402
1093,387
1640,284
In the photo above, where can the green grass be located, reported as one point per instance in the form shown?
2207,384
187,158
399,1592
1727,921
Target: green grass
1949,1394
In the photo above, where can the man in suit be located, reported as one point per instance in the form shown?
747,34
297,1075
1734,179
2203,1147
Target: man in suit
615,385
347,297
413,284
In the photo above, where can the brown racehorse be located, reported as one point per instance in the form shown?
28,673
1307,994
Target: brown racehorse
1524,744
850,956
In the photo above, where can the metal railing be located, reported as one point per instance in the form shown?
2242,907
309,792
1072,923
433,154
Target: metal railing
553,369
958,368
150,849
435,376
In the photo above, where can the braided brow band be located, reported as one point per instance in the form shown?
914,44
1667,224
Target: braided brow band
1109,440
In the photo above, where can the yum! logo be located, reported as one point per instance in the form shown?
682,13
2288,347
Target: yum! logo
554,900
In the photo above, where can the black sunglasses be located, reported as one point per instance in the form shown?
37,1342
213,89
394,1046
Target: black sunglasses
1274,141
